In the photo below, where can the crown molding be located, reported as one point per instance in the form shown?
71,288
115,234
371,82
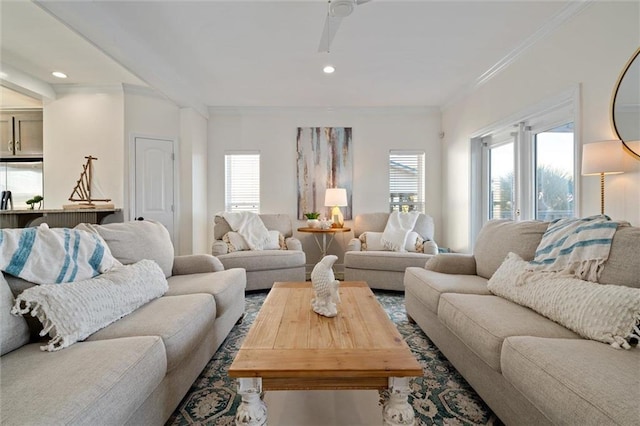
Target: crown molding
564,15
230,110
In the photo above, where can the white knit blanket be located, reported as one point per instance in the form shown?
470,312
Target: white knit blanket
250,227
606,313
71,312
577,247
45,256
398,227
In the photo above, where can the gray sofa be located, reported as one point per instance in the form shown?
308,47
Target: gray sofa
136,370
383,269
263,267
527,368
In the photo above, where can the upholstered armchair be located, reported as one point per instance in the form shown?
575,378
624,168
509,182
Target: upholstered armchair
284,260
366,259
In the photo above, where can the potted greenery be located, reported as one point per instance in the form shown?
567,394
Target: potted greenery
32,202
312,219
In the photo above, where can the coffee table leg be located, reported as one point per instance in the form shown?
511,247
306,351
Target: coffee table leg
252,410
397,411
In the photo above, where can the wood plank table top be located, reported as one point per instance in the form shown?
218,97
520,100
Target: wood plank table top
291,347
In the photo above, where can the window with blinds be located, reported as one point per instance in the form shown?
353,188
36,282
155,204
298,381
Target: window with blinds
242,181
406,181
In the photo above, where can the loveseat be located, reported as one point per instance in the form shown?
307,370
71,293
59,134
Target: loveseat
283,262
527,368
366,260
135,370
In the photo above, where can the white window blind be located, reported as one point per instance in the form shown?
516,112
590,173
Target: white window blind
242,182
406,181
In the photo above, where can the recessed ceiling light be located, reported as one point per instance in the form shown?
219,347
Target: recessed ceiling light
328,69
59,74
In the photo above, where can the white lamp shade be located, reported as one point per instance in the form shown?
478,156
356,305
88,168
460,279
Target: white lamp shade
602,157
335,197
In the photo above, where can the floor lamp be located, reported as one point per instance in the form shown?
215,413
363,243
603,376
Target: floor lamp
602,158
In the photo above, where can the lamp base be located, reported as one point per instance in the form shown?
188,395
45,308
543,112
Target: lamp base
336,216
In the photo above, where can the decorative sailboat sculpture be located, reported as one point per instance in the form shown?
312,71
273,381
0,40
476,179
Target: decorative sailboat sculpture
82,191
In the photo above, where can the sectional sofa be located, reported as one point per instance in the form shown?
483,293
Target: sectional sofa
137,369
528,369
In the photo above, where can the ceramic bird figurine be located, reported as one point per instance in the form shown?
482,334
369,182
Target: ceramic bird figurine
325,287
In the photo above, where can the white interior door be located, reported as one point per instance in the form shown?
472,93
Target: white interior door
154,181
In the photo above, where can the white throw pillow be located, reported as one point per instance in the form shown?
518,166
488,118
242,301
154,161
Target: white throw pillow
71,312
46,255
274,241
235,241
372,241
606,313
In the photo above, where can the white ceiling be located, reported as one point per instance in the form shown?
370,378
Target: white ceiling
264,53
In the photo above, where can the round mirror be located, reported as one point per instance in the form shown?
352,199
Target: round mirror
625,108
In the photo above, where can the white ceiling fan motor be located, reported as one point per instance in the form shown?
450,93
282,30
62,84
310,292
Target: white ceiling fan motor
341,8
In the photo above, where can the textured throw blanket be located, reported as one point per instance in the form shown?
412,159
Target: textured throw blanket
71,312
46,256
398,227
250,227
606,313
576,247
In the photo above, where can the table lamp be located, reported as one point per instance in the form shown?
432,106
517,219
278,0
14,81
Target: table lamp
602,158
336,198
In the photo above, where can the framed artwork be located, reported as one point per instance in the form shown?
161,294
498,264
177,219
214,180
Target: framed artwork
325,160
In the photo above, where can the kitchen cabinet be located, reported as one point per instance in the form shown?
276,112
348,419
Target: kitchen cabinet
21,133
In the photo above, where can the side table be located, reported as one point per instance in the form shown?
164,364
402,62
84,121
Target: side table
324,232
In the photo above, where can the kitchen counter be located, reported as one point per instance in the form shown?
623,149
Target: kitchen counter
56,217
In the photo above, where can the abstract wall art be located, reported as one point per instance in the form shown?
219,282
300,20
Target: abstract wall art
325,160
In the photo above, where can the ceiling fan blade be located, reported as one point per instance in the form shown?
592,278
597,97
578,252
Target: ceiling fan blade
331,25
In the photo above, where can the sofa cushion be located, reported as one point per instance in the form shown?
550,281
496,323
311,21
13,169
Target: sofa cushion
585,381
428,286
499,237
92,383
483,322
225,287
180,321
263,260
623,267
14,331
384,260
133,241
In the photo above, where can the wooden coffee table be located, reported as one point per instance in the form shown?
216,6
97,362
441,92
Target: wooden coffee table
290,347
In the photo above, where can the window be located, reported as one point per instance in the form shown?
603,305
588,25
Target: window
406,181
242,181
23,179
526,169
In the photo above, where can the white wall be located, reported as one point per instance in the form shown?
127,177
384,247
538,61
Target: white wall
101,121
273,133
589,50
193,182
81,122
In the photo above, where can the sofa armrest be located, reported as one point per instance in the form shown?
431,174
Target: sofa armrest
195,264
354,245
293,243
219,247
452,263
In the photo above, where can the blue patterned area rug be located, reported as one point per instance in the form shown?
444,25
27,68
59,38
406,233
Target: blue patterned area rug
440,397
